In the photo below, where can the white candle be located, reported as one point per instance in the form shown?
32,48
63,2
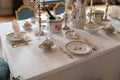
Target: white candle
65,5
91,4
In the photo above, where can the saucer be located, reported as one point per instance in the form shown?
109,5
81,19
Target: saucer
11,36
71,34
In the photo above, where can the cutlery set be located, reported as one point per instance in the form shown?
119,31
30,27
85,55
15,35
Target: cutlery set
18,43
95,48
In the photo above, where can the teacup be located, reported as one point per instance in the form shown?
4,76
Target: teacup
47,44
109,29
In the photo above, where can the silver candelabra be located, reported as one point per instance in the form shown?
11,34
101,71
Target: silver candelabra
39,6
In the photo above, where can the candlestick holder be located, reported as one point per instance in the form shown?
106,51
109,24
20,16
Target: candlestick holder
65,27
91,11
38,6
90,20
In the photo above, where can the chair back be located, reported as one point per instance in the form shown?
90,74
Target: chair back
24,12
59,8
51,1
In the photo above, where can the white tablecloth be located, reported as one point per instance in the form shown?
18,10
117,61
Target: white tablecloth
32,63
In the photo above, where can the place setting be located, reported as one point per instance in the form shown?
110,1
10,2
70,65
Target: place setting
78,45
74,36
17,37
78,48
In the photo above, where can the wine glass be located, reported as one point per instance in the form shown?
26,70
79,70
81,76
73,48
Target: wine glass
106,10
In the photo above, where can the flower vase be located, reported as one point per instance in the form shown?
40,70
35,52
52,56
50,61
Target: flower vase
56,25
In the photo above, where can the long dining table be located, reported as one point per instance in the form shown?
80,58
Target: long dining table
33,63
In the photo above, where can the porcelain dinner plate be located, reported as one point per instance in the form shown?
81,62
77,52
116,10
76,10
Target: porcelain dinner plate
11,36
78,47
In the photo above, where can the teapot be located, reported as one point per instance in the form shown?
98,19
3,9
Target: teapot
47,44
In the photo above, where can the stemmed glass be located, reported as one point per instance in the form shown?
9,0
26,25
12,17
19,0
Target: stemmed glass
106,10
91,10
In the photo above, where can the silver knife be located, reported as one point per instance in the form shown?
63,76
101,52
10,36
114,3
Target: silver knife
65,52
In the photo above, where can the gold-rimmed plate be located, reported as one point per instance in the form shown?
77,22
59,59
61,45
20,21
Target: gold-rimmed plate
78,47
12,37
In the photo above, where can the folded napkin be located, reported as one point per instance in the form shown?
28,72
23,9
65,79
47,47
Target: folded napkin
16,30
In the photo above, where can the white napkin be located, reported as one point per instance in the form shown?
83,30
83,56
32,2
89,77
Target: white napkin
16,29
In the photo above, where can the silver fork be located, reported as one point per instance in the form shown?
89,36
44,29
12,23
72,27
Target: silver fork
65,52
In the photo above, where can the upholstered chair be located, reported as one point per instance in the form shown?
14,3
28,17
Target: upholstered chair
51,1
59,8
24,12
